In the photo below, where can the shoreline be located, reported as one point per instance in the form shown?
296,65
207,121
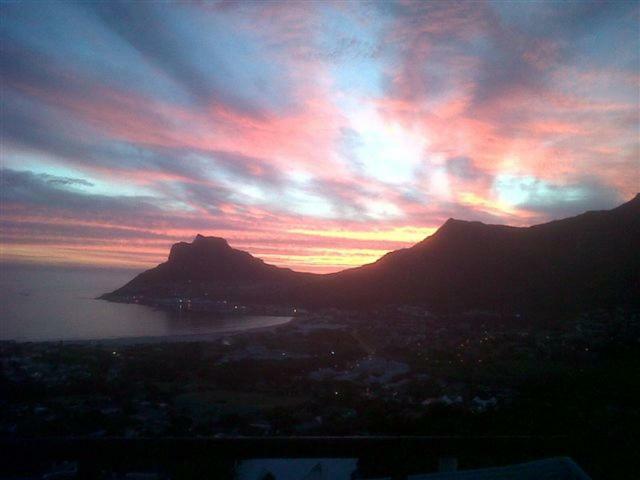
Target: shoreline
156,339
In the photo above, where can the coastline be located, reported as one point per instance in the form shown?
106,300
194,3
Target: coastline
158,339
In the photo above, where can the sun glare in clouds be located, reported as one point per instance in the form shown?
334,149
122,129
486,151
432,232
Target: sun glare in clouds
385,149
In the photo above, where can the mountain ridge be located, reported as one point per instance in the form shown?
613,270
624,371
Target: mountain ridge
589,259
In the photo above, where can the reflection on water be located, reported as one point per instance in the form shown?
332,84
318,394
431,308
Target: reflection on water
59,304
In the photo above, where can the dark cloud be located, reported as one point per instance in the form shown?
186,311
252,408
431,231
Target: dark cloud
505,70
558,201
29,193
154,31
37,114
29,124
147,31
201,197
28,189
247,168
464,168
516,47
525,49
23,67
566,20
16,232
348,200
65,181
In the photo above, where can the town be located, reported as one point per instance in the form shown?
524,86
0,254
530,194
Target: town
399,370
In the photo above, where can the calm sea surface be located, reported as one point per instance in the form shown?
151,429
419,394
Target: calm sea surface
60,304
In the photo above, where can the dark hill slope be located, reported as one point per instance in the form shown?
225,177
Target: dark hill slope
585,261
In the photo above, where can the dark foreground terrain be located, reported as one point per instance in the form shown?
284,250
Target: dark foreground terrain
398,371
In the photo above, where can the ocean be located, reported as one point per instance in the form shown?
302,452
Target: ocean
52,303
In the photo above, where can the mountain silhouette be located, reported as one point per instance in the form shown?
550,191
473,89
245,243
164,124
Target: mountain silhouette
209,265
587,261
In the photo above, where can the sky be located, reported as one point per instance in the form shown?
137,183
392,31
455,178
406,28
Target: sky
315,135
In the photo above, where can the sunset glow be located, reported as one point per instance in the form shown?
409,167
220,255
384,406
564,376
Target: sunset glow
315,135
